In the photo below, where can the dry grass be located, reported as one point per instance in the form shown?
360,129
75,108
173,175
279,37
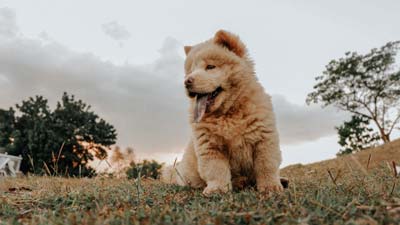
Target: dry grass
362,162
359,189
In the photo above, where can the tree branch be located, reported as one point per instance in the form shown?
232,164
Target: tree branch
356,112
366,106
394,123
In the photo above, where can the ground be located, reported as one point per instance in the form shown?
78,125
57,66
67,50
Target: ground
357,189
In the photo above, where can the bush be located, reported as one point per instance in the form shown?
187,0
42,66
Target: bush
147,169
356,135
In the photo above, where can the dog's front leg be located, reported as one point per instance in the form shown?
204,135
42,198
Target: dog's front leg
267,159
213,167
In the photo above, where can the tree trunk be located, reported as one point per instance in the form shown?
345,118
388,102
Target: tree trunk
384,137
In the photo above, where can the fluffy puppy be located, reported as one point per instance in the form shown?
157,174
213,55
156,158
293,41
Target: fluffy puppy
234,136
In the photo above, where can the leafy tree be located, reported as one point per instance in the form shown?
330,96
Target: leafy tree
7,123
365,85
62,141
30,134
356,135
148,169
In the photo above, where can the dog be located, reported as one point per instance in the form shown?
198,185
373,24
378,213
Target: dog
234,136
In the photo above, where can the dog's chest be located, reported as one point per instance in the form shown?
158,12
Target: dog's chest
240,153
239,139
242,132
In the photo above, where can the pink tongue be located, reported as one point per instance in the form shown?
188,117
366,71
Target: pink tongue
200,109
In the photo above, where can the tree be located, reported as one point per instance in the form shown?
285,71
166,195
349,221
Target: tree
30,134
7,123
356,135
62,141
364,85
148,169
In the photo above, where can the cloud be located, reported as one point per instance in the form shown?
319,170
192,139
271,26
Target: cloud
8,22
303,123
116,31
146,103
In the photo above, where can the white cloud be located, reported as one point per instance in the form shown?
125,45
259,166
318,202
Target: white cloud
8,22
146,103
302,123
116,31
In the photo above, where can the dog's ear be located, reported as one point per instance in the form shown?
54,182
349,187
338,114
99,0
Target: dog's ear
187,49
231,42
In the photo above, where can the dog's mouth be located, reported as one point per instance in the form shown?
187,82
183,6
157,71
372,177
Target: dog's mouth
203,102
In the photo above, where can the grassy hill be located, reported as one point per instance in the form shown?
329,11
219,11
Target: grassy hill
363,161
357,189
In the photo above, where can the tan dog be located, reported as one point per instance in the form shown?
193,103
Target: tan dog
233,125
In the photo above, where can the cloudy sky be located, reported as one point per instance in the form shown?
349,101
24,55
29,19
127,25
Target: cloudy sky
125,58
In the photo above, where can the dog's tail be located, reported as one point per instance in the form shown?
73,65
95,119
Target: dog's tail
172,175
169,175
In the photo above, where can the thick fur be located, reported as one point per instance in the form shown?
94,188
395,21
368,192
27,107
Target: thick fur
237,138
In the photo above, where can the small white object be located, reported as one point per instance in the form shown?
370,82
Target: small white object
398,170
9,165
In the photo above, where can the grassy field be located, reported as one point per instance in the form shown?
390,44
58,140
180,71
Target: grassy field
359,189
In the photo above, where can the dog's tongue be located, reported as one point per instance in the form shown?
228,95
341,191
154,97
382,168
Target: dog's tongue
200,109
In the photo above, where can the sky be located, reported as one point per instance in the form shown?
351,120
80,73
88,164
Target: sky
125,58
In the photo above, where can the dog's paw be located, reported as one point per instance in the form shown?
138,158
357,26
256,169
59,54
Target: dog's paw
270,188
216,189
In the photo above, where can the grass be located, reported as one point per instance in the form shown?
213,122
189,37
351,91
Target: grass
362,189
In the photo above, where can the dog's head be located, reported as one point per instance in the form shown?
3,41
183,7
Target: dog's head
212,71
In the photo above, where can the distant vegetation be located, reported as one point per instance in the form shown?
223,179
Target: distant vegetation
145,169
368,87
120,161
356,135
63,142
58,142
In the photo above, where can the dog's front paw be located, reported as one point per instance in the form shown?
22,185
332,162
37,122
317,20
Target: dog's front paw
269,188
213,188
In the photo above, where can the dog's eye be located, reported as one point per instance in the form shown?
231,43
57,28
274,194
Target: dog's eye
210,67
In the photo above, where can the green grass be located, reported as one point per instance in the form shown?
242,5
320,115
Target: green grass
355,197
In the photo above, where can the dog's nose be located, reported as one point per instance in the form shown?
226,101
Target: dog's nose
189,82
